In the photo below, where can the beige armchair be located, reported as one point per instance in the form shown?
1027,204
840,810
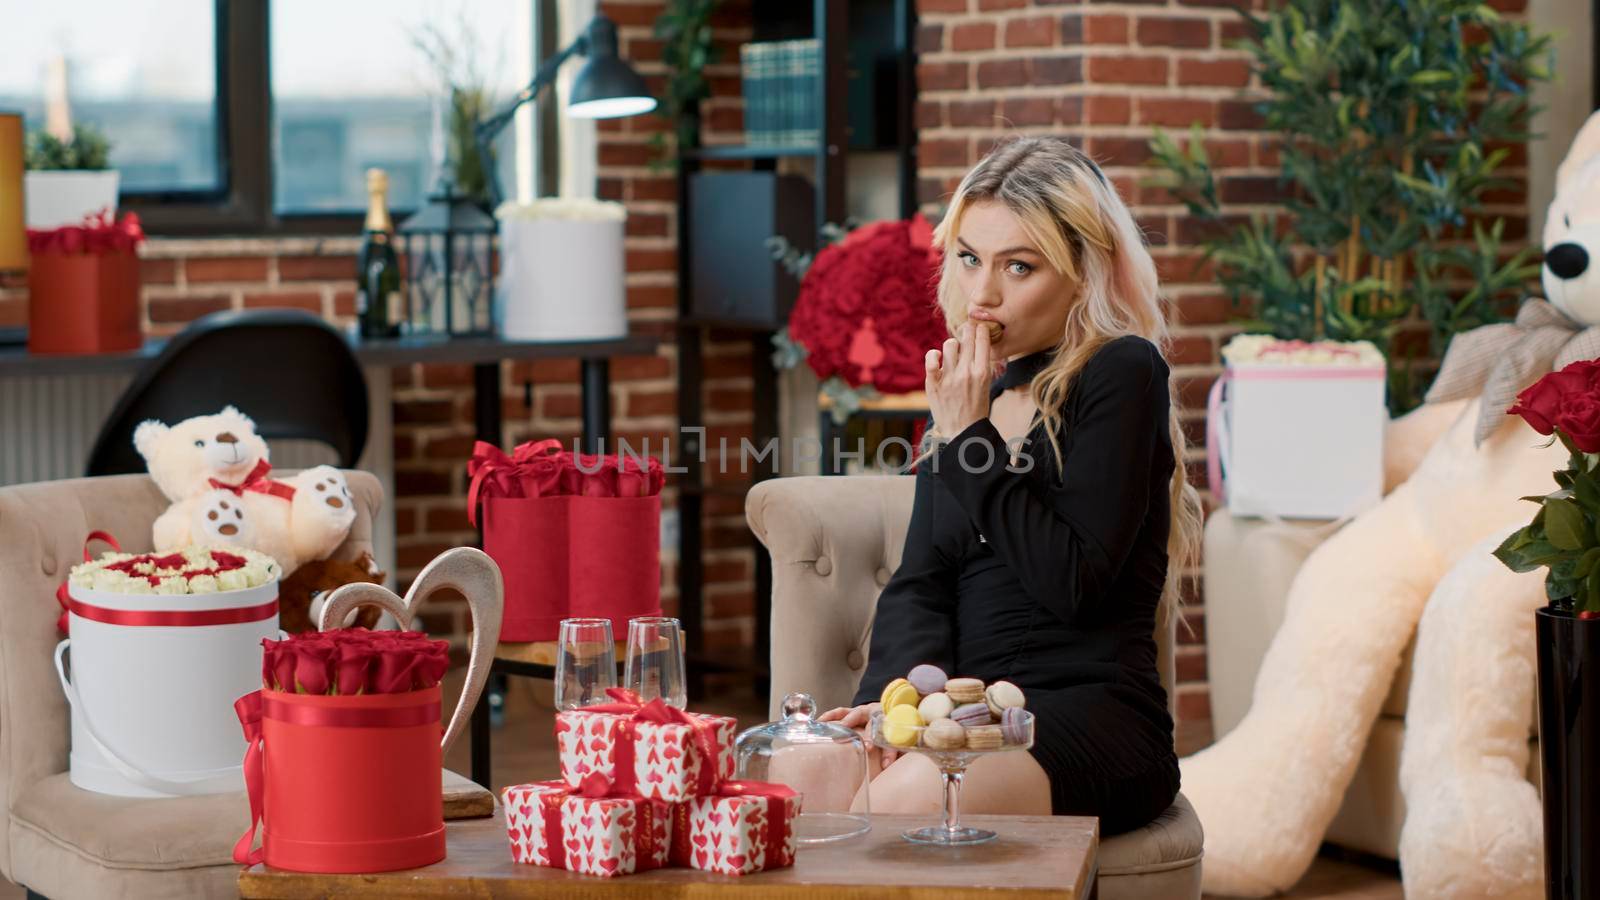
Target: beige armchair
60,841
834,542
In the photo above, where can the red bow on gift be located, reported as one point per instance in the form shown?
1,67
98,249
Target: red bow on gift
62,597
627,703
99,234
543,469
258,482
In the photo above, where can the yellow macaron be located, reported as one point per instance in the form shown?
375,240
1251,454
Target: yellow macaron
902,725
899,692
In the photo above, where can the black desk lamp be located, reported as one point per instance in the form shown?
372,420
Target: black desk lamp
606,88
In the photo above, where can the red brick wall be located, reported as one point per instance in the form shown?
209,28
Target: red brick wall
1105,74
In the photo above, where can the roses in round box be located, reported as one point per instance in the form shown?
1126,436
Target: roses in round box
350,661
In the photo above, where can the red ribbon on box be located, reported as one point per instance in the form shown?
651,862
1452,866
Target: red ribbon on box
774,838
257,482
594,787
62,595
628,703
543,469
99,234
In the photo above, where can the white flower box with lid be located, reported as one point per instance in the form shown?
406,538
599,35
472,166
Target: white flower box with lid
161,645
1294,429
562,270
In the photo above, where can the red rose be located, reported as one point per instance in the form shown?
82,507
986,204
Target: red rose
394,665
313,665
602,483
355,658
1568,400
433,662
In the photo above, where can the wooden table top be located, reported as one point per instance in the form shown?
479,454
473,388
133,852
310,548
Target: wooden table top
1051,857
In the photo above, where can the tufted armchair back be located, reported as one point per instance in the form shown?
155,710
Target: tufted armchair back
834,541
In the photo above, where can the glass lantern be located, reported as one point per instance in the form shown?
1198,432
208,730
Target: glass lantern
448,253
826,763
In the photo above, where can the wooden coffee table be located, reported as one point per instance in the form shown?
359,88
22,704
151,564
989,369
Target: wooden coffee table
1035,857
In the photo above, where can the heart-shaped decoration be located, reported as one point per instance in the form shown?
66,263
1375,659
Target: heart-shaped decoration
609,864
737,862
700,859
572,845
715,818
469,572
671,751
699,839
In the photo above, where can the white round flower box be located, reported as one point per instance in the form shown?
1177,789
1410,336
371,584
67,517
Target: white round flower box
152,678
56,199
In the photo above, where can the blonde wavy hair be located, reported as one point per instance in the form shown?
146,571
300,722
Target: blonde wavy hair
1084,231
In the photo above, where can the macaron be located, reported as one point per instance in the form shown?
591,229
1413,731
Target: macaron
972,715
964,690
987,737
927,679
936,706
899,692
1003,695
902,726
944,734
1014,725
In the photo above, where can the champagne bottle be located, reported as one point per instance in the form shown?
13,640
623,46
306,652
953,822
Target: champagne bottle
378,309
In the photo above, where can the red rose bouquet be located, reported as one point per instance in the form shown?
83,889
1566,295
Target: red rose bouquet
868,311
350,661
1563,535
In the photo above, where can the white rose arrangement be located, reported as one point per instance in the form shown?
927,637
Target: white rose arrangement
1264,349
568,209
191,571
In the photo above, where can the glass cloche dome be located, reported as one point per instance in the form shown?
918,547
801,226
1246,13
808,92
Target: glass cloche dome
825,762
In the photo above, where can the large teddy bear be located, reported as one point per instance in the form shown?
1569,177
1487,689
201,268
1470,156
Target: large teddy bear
1420,562
214,470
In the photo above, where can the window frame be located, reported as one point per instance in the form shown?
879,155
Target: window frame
242,204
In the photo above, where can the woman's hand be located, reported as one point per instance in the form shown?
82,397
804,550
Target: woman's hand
857,718
958,380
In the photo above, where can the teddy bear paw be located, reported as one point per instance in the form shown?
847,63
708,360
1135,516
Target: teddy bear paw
330,489
220,519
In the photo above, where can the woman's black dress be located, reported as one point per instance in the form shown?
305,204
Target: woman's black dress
1050,579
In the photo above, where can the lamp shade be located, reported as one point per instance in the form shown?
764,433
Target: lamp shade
606,88
13,239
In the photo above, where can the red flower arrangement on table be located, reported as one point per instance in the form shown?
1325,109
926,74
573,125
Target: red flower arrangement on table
99,234
868,310
349,661
1563,535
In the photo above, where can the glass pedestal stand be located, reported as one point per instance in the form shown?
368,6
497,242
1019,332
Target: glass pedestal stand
952,769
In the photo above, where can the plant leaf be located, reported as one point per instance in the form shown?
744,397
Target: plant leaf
1564,524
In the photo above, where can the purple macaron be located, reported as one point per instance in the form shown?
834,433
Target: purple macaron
1013,725
972,715
927,679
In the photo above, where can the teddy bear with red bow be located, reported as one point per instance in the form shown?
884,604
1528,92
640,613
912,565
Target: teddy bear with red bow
215,470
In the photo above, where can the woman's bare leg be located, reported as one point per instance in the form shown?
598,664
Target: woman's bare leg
1000,784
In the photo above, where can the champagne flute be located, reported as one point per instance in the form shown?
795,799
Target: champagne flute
655,660
586,663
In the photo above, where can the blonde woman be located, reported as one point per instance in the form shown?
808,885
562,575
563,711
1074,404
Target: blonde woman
1052,517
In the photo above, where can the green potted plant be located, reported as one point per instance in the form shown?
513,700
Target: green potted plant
68,180
1392,122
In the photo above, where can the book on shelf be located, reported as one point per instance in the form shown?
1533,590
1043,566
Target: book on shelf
780,88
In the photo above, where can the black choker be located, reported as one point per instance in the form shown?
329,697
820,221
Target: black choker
1019,371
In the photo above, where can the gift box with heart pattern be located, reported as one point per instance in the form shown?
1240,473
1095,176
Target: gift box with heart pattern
667,758
602,836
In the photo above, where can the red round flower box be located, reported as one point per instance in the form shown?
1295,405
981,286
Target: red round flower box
351,783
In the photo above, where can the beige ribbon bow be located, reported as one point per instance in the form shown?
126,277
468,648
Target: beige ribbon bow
1498,361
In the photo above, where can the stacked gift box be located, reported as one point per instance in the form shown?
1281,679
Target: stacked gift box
644,785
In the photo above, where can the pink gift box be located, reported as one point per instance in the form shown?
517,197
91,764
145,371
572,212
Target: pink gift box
635,753
548,825
737,833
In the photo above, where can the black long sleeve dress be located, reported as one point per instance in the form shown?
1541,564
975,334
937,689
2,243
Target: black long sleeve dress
1050,579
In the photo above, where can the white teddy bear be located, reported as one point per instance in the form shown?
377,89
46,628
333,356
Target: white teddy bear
214,470
1420,562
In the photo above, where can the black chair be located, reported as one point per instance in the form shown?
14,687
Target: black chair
289,371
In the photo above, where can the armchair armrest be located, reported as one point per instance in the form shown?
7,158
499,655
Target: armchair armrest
834,542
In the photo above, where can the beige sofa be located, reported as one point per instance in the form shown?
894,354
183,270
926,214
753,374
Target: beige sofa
60,841
834,542
1249,565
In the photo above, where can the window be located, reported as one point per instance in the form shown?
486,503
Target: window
363,83
262,116
144,73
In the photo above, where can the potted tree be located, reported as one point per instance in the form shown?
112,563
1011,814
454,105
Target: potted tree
69,180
